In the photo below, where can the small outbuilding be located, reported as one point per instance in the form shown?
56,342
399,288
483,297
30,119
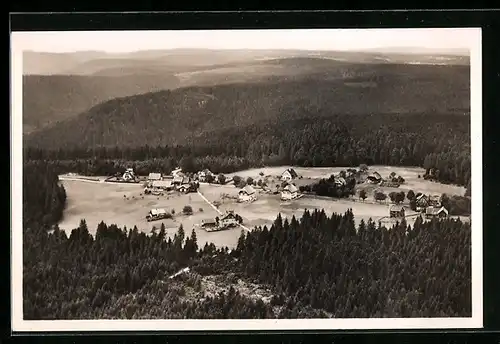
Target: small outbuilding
396,211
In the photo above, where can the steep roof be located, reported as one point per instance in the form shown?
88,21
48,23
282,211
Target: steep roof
340,180
208,222
435,210
229,214
421,196
158,211
248,189
161,183
291,188
396,207
154,176
375,175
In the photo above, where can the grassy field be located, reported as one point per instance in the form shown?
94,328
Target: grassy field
124,204
96,202
410,174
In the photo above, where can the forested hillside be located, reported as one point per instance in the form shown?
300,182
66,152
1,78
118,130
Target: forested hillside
51,98
439,142
168,117
369,272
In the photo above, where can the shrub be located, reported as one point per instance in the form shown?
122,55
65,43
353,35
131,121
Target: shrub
188,210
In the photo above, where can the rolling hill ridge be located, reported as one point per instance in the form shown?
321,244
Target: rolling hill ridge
52,98
172,117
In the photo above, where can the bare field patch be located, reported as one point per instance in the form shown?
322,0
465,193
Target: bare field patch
122,204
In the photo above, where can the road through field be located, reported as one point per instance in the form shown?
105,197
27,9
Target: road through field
80,180
217,210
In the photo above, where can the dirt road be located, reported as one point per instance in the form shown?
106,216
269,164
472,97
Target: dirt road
217,210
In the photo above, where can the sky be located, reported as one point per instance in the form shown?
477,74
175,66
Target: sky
437,40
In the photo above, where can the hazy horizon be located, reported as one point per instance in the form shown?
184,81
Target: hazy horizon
395,49
441,41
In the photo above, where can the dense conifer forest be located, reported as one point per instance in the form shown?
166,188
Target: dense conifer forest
440,144
316,266
51,98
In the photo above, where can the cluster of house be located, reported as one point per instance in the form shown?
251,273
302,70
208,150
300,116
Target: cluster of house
158,183
375,178
288,192
430,206
203,176
228,220
128,177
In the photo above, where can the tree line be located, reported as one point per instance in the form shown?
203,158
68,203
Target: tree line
330,188
440,144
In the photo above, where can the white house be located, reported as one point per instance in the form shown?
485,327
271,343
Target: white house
156,214
228,220
181,180
129,174
288,175
247,194
289,192
421,202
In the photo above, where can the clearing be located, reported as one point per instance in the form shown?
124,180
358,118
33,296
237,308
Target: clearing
125,205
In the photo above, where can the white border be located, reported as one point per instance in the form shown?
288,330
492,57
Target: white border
19,325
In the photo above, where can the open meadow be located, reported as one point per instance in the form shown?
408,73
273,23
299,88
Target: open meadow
410,174
125,205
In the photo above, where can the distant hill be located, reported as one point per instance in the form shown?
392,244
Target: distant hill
51,98
74,82
175,117
184,60
43,63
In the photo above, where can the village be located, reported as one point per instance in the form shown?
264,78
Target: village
241,197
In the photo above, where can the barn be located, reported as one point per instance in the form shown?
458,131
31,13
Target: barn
246,194
432,212
396,211
289,192
289,174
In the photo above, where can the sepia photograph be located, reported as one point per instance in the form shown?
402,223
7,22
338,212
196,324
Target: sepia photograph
246,179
